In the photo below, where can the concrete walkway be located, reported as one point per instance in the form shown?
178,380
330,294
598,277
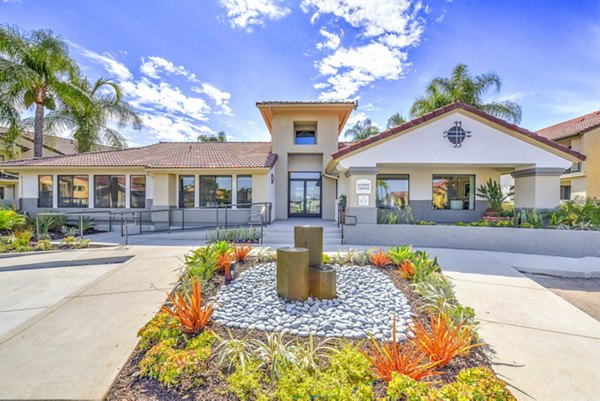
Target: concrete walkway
74,349
544,347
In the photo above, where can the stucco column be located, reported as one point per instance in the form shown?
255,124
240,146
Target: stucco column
361,194
537,188
164,192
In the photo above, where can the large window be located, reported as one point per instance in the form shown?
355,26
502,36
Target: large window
187,184
392,190
45,190
244,190
138,191
73,190
454,192
109,191
215,190
305,133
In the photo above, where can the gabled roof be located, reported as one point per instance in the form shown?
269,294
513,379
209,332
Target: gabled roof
166,155
445,110
342,108
575,126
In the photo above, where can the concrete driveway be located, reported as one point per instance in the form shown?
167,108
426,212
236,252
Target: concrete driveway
84,327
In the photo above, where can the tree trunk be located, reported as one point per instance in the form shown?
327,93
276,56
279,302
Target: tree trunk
38,131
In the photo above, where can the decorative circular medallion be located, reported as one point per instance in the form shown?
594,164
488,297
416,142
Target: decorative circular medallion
457,134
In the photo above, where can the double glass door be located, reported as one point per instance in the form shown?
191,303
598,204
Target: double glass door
305,194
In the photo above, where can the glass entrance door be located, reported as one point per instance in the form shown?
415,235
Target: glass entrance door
305,194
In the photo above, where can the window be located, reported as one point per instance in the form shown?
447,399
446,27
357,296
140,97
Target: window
565,192
73,190
305,133
455,192
215,190
138,191
187,185
244,190
45,190
392,191
109,191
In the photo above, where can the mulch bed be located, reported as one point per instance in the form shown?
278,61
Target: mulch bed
130,386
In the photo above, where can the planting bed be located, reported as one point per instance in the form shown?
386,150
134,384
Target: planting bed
248,322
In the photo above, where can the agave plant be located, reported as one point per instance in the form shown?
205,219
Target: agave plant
398,254
380,258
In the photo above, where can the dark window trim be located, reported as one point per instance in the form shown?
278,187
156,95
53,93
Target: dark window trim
131,192
180,190
51,191
237,189
61,204
320,180
456,175
110,191
392,176
215,176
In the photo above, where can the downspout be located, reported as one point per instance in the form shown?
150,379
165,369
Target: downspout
336,178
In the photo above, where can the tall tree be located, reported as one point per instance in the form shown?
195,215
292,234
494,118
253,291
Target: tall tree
395,120
90,122
362,130
463,87
220,137
36,69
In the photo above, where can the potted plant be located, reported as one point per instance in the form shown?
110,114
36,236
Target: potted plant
342,205
492,192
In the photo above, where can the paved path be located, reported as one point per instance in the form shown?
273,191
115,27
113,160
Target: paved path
74,349
544,347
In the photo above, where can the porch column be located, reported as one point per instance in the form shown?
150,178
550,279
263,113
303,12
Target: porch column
537,188
361,194
164,192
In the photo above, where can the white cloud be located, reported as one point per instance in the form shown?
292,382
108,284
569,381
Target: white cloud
348,70
332,40
169,112
246,13
386,29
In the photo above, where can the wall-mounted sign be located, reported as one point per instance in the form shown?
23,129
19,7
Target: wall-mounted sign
363,186
363,200
457,134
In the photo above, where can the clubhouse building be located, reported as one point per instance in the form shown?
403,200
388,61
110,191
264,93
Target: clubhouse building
433,163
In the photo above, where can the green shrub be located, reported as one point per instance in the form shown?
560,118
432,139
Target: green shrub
399,254
70,231
162,327
48,223
473,384
44,245
347,377
577,214
247,382
11,220
492,191
69,241
201,263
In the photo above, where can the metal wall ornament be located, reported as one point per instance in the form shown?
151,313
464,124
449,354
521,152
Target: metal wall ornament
457,134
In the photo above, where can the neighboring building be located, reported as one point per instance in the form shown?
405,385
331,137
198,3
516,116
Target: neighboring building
582,179
434,163
53,146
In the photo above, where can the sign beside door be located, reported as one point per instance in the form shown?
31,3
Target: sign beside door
363,186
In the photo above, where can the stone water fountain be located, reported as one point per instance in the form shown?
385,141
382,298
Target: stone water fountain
300,271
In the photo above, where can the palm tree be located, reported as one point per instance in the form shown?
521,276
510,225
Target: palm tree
90,122
220,137
463,87
362,130
36,70
395,120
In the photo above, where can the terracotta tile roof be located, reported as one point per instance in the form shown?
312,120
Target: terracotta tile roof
60,145
571,127
167,155
309,102
446,109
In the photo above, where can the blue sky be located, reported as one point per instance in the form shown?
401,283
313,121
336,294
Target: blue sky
195,67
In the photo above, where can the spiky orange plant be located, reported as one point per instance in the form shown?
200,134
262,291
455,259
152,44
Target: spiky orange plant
380,258
403,358
444,340
224,261
187,308
241,252
407,269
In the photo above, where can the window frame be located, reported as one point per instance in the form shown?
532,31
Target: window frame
300,130
110,185
472,190
181,191
391,177
214,202
237,190
51,191
131,191
61,203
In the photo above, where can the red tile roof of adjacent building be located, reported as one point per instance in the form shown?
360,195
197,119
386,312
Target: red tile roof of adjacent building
167,155
575,126
446,109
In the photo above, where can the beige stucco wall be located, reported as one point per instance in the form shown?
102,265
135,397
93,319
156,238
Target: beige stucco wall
292,157
541,192
591,148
